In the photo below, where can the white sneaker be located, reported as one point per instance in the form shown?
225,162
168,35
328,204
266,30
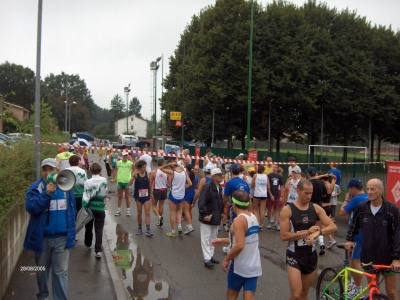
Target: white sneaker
331,244
226,249
269,226
276,227
98,255
188,230
117,213
128,213
353,292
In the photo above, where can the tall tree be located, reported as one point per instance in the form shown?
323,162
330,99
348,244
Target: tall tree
135,107
18,82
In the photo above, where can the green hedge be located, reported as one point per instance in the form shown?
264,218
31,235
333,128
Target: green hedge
17,170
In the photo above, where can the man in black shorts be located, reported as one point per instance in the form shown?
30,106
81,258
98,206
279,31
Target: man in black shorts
318,195
301,257
158,181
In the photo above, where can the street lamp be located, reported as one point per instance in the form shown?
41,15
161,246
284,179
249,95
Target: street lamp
66,105
69,118
154,67
127,90
269,127
250,75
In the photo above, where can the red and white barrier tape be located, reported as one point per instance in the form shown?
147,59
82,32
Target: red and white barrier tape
221,160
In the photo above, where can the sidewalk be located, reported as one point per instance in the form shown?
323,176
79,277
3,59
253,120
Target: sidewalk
88,277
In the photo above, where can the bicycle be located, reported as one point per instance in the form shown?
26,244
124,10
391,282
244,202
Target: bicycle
335,286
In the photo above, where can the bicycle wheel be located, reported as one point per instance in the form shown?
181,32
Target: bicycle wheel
328,289
378,296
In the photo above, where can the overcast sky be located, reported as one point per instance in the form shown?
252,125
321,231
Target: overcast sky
110,44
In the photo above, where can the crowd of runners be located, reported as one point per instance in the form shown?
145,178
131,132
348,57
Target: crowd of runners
242,199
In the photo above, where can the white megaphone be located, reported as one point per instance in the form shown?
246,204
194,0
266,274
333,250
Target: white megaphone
65,180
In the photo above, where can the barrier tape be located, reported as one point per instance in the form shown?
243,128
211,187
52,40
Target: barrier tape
220,160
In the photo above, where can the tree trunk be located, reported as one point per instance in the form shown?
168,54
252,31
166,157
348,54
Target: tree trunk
378,156
371,157
230,142
278,145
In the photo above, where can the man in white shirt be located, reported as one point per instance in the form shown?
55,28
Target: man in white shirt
147,158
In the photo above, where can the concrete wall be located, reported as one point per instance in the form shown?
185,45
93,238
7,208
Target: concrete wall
11,243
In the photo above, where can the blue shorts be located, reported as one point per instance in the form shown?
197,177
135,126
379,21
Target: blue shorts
189,195
236,282
356,251
176,201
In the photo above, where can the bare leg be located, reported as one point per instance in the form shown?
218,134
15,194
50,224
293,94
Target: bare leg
147,212
139,212
127,200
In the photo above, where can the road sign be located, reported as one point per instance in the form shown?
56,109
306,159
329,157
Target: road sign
178,123
175,115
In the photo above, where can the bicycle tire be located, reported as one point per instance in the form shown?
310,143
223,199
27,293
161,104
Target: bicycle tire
378,296
327,290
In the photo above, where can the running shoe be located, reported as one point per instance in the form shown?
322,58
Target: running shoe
98,255
188,230
180,230
117,213
276,227
128,212
139,231
261,228
226,249
161,221
269,226
322,249
170,234
226,228
149,233
331,244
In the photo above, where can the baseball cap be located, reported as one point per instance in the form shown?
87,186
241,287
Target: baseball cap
354,182
251,169
50,162
297,171
312,170
207,169
216,171
240,154
235,168
124,153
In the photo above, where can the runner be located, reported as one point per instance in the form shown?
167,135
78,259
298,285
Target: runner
179,181
159,181
243,262
297,222
124,178
261,187
188,202
142,193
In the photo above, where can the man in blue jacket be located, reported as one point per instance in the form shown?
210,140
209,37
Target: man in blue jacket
51,231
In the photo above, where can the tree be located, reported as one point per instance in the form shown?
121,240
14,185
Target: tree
135,107
48,124
18,82
118,108
62,87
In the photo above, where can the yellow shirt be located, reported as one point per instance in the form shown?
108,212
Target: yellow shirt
268,169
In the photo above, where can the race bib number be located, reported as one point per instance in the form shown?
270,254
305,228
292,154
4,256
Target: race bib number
303,241
143,192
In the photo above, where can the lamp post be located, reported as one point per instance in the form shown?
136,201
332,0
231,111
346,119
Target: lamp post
162,88
66,105
37,91
69,118
269,127
127,90
250,75
154,67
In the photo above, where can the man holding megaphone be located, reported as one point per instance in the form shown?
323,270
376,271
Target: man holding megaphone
51,228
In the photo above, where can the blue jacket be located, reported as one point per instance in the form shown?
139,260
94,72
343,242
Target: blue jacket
37,202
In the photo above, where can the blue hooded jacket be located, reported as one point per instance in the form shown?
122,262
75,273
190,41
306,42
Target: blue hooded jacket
37,203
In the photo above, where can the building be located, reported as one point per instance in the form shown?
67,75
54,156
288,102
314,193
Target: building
18,111
134,124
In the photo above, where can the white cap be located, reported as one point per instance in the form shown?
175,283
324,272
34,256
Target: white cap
124,153
216,171
50,162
